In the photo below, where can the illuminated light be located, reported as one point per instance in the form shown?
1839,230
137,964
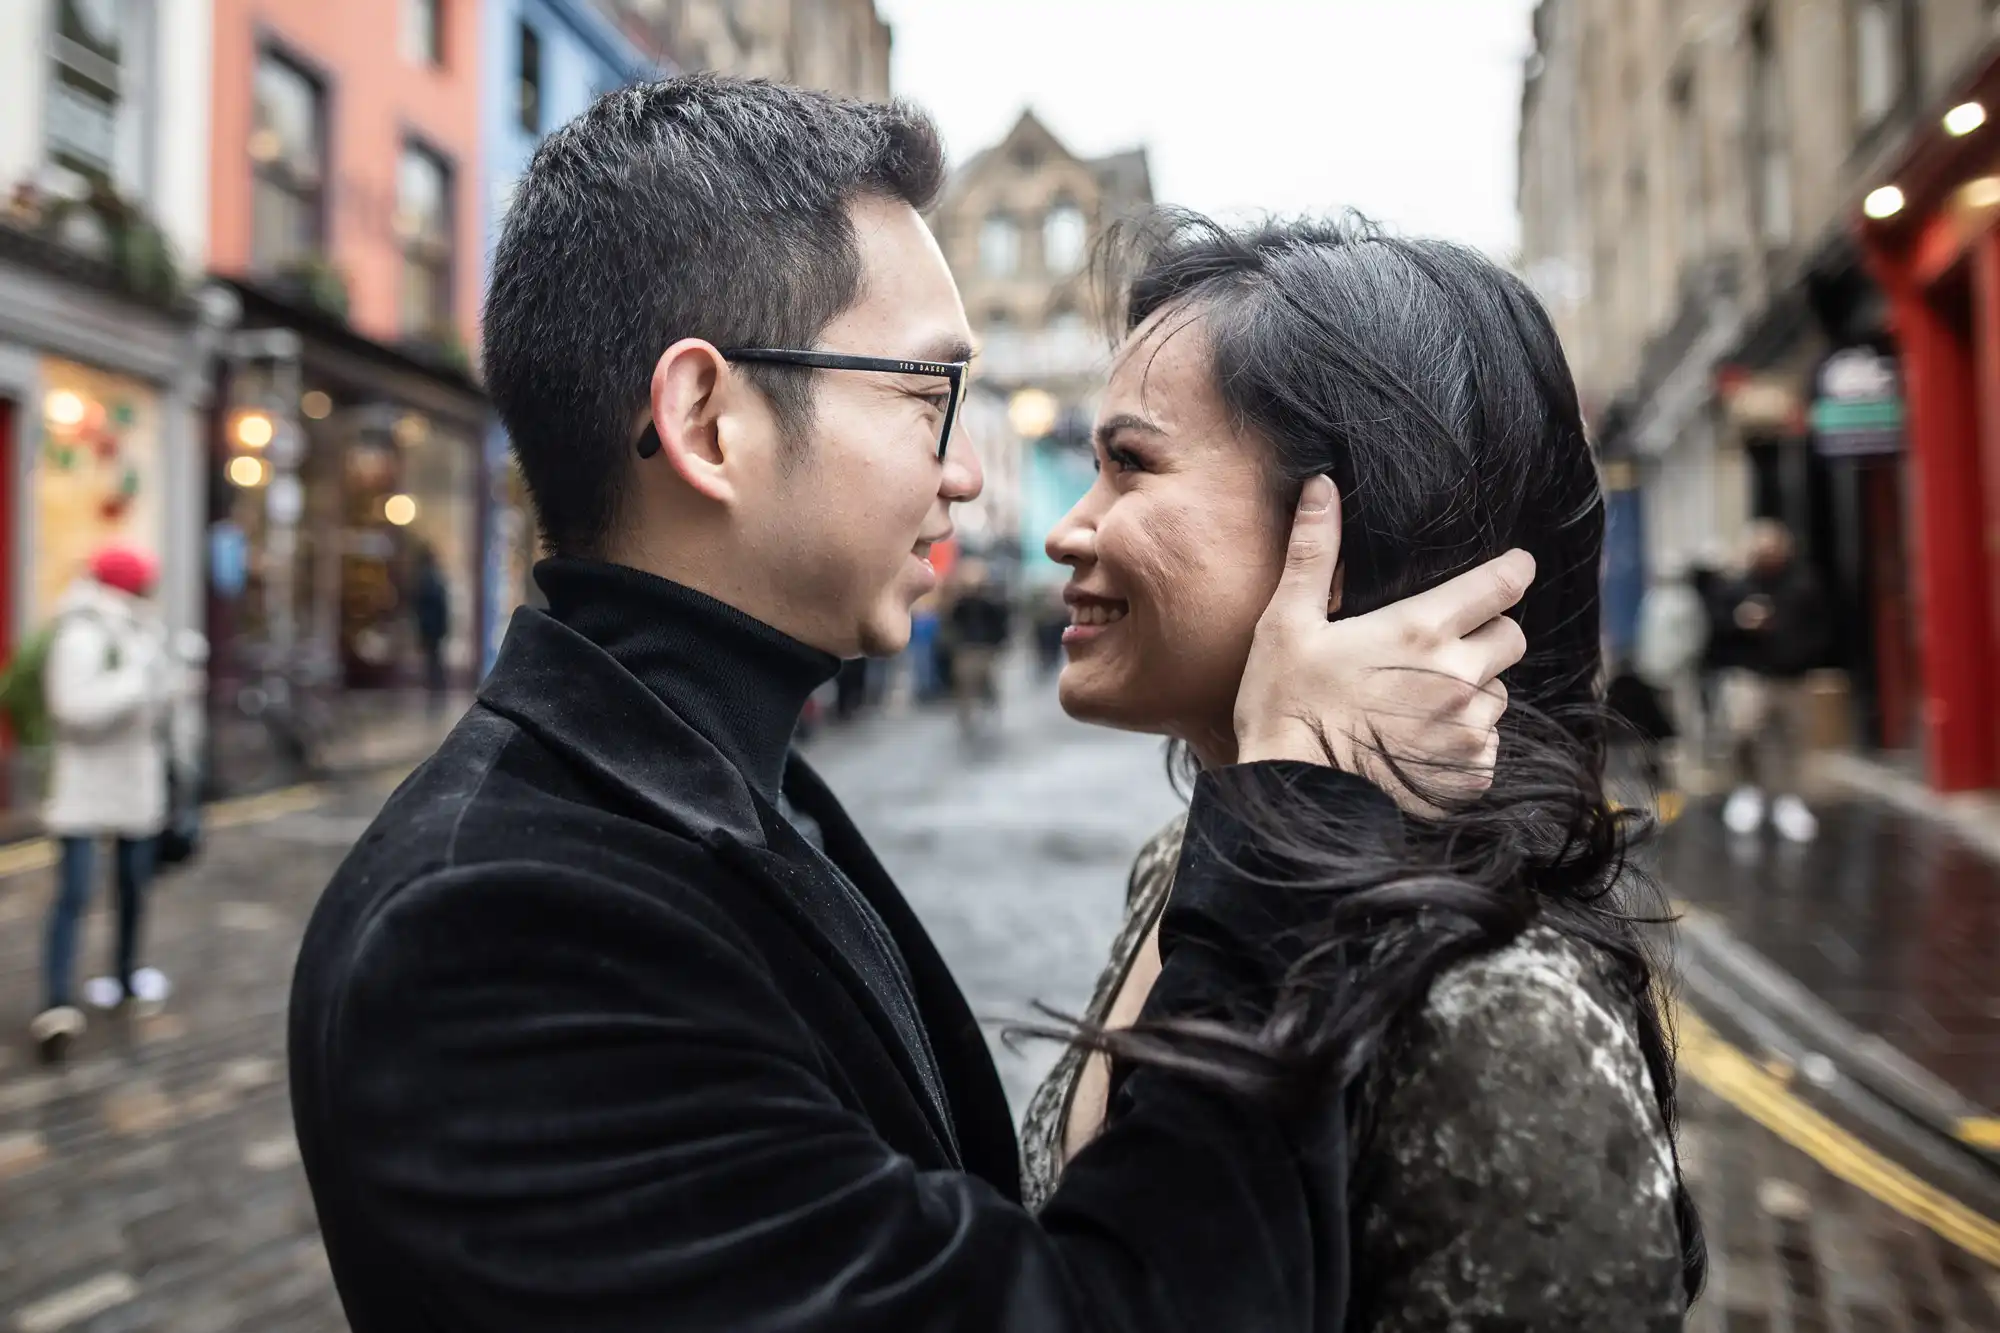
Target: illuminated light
254,429
400,510
1032,413
248,471
1964,118
64,408
410,429
1883,202
1981,192
316,404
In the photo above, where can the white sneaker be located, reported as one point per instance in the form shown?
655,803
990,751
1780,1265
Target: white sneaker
1743,812
103,993
1793,821
150,986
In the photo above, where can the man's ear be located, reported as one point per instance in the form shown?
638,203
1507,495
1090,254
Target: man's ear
690,383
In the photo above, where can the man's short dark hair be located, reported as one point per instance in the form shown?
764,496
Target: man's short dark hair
697,207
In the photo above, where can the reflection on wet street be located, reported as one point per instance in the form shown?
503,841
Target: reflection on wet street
1891,922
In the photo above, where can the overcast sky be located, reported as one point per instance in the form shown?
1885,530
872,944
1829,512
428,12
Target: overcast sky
1405,109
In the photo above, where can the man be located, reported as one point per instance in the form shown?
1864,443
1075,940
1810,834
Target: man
586,1033
1776,626
979,627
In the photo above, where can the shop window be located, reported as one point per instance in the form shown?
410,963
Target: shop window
528,82
1878,59
423,221
94,116
287,154
999,246
1063,234
423,32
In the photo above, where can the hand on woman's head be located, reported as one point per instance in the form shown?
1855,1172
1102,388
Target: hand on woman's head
1408,696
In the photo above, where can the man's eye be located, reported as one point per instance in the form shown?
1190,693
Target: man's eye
1124,460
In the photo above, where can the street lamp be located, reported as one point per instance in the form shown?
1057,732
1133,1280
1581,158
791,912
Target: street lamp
1964,118
1032,413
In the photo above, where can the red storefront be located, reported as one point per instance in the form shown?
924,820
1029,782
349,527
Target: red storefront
1931,231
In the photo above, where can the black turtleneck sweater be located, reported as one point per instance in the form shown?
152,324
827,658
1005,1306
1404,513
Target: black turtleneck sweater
736,680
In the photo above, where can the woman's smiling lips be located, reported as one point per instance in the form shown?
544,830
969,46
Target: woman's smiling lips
1090,615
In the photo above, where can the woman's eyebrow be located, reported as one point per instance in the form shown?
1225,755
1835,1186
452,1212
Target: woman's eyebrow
1108,428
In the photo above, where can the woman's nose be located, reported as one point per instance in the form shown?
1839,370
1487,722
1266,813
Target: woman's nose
1072,541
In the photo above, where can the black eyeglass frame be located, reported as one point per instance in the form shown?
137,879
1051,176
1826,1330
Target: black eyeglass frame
953,371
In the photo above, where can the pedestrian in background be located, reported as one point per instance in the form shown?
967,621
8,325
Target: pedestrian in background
1777,624
980,624
1673,640
111,681
431,604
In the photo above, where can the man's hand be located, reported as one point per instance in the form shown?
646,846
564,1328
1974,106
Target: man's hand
1419,676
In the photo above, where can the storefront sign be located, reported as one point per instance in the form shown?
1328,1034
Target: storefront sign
1859,411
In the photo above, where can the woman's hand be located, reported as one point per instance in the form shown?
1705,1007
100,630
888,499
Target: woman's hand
1416,679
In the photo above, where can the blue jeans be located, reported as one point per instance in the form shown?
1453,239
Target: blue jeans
73,883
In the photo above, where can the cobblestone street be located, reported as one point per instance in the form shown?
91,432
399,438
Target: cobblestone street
153,1183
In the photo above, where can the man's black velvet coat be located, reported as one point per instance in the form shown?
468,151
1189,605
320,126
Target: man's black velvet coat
585,1035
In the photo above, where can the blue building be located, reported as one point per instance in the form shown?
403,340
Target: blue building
546,61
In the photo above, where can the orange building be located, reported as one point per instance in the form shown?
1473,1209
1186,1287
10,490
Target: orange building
345,215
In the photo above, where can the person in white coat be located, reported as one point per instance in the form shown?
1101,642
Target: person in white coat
111,681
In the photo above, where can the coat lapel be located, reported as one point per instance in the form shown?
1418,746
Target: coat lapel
574,698
977,1100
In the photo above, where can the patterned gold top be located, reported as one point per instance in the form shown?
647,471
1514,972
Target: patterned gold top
1517,1174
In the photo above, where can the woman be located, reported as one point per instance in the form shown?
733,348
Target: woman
1483,1001
110,680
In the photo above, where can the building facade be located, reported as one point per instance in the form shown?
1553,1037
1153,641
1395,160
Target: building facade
1018,223
347,219
546,62
840,46
103,145
1692,184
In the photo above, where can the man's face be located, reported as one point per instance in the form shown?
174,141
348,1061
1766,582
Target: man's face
853,508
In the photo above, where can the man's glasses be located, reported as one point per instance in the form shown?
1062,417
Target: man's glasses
952,371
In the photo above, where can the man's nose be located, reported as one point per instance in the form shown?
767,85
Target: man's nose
963,478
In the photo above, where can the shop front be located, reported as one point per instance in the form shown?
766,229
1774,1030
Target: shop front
344,479
1930,231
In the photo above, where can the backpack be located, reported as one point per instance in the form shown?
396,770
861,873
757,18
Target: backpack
24,696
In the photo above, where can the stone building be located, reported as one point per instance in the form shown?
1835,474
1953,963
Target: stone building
1693,176
838,45
1017,224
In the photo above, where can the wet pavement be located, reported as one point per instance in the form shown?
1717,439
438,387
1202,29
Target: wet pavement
154,1184
1889,920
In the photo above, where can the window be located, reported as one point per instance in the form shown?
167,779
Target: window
1878,59
96,101
528,82
1063,237
423,32
423,220
999,246
1771,168
1691,166
286,152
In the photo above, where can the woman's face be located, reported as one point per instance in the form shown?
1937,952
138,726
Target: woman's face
1173,553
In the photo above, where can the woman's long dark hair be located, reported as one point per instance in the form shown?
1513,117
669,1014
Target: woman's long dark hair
1430,384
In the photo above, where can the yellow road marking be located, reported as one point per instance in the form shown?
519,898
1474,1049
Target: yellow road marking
40,853
1981,1132
1744,1084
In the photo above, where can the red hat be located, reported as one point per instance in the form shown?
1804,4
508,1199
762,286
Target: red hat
126,568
